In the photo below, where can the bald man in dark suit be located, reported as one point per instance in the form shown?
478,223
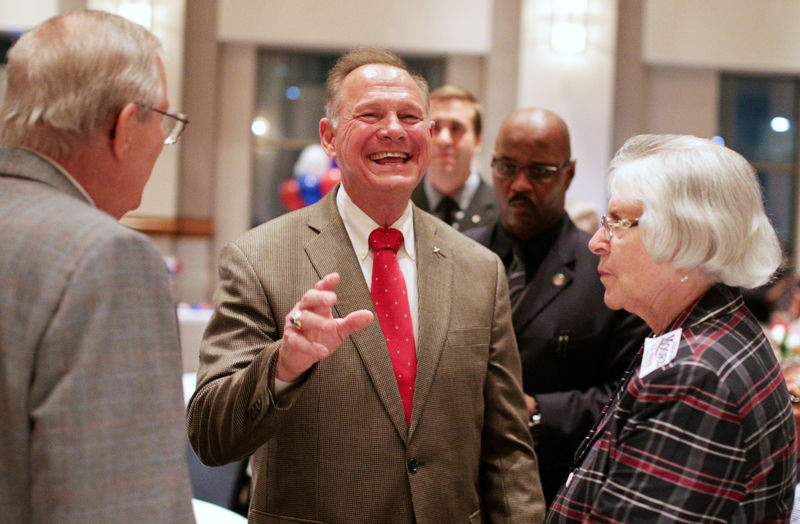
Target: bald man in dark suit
573,348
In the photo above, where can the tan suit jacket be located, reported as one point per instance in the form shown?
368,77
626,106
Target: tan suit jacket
336,448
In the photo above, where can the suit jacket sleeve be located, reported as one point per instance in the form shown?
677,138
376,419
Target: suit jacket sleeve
625,336
234,409
511,492
107,438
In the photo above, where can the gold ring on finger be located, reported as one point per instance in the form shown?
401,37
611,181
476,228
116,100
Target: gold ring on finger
295,320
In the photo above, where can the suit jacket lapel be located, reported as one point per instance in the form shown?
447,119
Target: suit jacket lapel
435,283
554,275
481,205
331,251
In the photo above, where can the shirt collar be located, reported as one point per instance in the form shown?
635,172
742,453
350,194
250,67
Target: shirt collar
64,173
462,197
359,226
533,249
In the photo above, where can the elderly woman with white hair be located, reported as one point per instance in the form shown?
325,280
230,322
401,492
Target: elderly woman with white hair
701,428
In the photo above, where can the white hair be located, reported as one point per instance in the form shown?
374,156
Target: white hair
702,207
69,76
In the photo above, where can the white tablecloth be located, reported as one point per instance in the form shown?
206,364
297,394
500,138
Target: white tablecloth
192,322
208,513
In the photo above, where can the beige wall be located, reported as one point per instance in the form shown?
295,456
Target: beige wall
656,97
421,26
578,87
743,35
682,100
19,16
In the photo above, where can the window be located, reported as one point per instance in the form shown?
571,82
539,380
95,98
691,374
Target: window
758,118
6,41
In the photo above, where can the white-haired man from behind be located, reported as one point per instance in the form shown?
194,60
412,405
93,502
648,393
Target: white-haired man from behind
89,356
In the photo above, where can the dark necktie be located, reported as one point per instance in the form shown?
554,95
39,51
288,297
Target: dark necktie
391,305
446,209
516,279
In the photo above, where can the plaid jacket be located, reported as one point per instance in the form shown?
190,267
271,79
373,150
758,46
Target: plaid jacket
708,437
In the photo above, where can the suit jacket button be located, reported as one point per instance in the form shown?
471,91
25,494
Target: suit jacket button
413,465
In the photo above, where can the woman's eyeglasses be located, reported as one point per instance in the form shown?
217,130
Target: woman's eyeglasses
611,225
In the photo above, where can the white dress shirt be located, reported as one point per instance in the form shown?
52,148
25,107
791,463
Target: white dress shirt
359,226
462,197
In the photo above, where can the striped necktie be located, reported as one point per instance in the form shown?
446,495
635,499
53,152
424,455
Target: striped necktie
516,279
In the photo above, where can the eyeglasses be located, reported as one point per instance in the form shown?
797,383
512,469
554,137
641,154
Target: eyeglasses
610,225
171,123
536,172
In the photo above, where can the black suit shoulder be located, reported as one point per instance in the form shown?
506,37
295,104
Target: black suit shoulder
419,198
481,210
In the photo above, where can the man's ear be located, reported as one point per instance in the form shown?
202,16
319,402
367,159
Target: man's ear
123,131
327,135
570,168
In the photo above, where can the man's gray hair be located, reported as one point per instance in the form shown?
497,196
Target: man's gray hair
71,75
702,207
351,61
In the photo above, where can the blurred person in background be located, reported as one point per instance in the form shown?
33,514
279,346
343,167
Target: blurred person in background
584,215
791,374
574,349
452,190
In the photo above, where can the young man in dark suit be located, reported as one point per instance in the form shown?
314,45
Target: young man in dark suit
451,189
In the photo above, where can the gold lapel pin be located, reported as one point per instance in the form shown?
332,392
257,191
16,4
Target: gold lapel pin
438,252
559,279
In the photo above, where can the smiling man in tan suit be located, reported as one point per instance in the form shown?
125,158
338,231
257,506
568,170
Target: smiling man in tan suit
347,421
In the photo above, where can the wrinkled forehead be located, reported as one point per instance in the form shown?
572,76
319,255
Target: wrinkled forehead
527,144
380,80
454,109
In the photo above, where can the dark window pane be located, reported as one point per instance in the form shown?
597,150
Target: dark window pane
758,118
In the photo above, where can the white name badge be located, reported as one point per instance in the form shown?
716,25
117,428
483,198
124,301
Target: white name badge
659,351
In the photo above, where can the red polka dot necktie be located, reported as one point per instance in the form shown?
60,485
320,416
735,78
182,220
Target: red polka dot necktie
391,304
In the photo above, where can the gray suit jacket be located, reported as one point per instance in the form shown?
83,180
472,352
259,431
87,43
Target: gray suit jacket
336,448
90,390
482,208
